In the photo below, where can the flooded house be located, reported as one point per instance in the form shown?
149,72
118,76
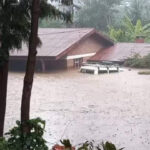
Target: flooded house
62,49
119,52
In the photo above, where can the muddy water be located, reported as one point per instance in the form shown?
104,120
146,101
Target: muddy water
82,107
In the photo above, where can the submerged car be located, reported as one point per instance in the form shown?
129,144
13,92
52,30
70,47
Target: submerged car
99,67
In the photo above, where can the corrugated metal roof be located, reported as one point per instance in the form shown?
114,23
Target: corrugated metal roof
56,41
121,51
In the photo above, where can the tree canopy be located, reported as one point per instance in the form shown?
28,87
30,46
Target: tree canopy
14,26
98,13
138,10
129,32
15,22
101,14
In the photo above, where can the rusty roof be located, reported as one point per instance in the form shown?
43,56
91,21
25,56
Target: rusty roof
121,51
56,41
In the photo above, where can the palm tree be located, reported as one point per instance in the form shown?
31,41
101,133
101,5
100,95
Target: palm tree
138,30
15,27
129,32
33,41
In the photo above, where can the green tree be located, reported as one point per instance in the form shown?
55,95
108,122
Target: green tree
138,10
98,13
51,23
129,32
133,31
31,61
117,35
15,27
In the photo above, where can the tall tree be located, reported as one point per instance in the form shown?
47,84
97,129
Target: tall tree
129,32
3,88
15,22
138,10
12,32
28,80
51,23
98,13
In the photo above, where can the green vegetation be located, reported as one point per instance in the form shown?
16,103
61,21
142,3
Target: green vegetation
144,72
110,146
138,10
138,62
51,23
66,143
33,139
98,14
3,144
19,23
103,13
122,20
103,146
30,140
117,35
129,32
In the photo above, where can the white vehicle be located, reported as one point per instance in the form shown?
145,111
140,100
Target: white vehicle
93,69
99,68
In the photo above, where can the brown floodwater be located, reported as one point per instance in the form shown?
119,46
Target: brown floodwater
114,107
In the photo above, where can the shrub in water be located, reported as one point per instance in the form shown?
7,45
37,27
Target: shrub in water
30,140
103,146
109,146
3,144
138,62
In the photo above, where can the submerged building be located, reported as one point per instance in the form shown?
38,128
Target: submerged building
70,47
62,49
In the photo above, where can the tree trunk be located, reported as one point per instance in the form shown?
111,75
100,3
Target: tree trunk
28,80
3,95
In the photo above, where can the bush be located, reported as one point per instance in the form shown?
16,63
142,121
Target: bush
144,72
147,61
30,140
109,146
103,146
138,62
3,144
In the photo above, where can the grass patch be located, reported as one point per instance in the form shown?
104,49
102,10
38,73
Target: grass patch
144,72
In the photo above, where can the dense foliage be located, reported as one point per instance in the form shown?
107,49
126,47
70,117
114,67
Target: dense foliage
31,140
3,144
15,22
106,14
138,62
13,27
129,32
51,23
144,72
138,9
103,13
98,14
103,146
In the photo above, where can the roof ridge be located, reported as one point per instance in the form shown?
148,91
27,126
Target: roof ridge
58,32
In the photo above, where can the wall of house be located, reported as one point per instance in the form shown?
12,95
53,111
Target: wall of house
87,46
43,64
55,64
17,64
